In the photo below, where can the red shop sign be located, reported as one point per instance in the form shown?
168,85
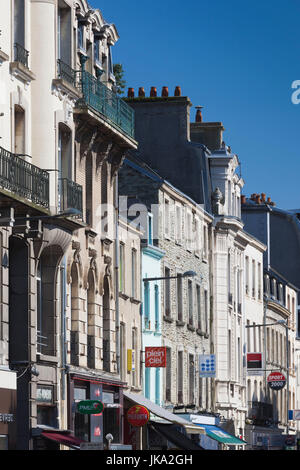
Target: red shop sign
276,380
138,415
155,357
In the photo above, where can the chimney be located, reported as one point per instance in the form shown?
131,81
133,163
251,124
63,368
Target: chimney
153,92
243,199
257,199
165,91
177,91
209,134
141,92
199,114
263,198
130,93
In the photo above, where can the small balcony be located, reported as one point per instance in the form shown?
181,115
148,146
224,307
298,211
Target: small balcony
104,101
21,54
66,73
23,179
70,195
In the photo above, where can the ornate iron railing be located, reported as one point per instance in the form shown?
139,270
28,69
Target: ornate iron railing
70,195
23,178
21,55
103,100
65,72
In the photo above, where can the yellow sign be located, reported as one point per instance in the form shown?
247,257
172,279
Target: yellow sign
129,360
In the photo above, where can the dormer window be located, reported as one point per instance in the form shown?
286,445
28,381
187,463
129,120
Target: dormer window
97,51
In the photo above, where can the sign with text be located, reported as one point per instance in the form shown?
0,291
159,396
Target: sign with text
155,357
138,415
207,365
294,415
90,407
276,380
255,363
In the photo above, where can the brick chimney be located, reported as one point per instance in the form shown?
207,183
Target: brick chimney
208,133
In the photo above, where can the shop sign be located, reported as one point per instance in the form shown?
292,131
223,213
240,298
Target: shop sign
138,415
155,357
207,365
255,363
44,394
6,418
276,380
90,407
294,415
130,360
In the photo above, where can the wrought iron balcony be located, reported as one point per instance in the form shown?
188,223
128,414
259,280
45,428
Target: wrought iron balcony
65,72
23,178
104,101
70,195
21,55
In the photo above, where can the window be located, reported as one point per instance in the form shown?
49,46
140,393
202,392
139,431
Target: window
198,300
190,302
122,268
259,281
229,354
147,305
230,299
180,377
167,293
247,274
253,279
179,299
110,62
168,374
178,225
97,51
19,130
157,386
156,306
150,229
191,379
134,352
206,310
167,218
133,273
205,242
122,350
19,22
197,238
80,33
189,231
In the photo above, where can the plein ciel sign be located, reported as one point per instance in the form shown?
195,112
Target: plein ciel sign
276,380
155,356
90,407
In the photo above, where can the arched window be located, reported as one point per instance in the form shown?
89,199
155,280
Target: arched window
74,315
91,319
106,327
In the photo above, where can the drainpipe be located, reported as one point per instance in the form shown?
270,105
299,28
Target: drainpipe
116,204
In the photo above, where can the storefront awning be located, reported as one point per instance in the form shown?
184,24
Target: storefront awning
164,414
218,434
170,432
63,439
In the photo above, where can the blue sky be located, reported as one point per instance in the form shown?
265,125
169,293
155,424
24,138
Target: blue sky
238,60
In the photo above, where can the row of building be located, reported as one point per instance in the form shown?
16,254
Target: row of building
123,228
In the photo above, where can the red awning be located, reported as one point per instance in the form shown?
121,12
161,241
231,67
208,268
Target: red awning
61,438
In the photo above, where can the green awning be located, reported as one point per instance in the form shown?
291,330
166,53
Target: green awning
222,436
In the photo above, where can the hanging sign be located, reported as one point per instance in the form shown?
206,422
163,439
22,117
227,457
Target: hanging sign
207,365
276,380
138,415
255,363
155,357
90,407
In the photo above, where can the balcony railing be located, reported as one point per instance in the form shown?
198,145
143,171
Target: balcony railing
21,55
65,72
70,195
23,178
103,100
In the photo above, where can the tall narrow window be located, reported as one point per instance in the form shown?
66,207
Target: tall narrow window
106,328
167,293
122,350
168,374
205,242
230,299
179,299
198,300
133,273
247,274
156,306
229,354
122,268
190,302
167,218
253,279
147,305
206,311
80,36
189,231
191,379
134,350
150,230
157,386
259,272
19,22
180,377
19,130
178,234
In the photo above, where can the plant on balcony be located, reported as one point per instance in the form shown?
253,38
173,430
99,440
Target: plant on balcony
120,82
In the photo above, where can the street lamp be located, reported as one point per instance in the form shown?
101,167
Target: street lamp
284,323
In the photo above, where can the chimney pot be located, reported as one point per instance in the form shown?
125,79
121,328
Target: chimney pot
153,91
141,92
177,91
199,116
263,197
269,200
130,93
243,199
257,199
165,91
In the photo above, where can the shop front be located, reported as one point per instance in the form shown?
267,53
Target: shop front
94,428
8,409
